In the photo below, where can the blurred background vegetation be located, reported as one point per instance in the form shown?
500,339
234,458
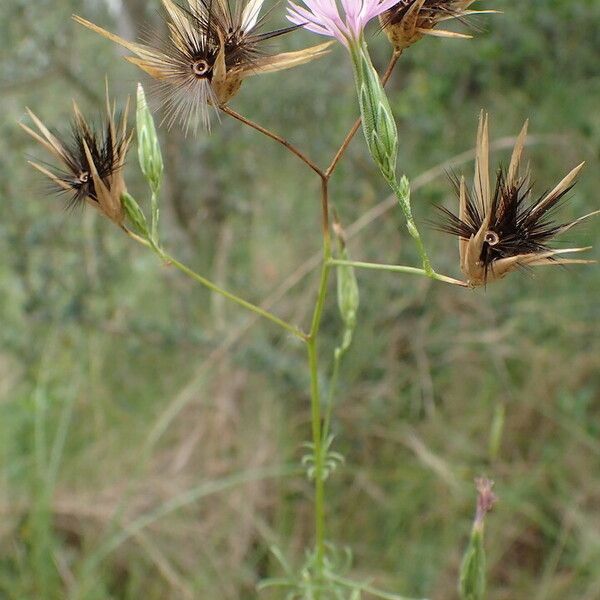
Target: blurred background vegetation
145,425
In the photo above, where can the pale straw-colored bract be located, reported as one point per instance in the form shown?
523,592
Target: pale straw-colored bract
323,16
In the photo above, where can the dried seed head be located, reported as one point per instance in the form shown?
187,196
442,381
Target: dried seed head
210,48
408,21
502,228
91,160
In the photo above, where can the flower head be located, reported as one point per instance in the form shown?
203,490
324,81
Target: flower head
210,48
91,160
323,17
409,20
501,228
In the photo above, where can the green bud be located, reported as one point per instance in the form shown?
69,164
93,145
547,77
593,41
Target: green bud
347,292
134,214
380,152
381,135
348,296
403,192
378,122
149,154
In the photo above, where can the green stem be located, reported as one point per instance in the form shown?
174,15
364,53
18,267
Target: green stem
216,289
404,201
236,299
315,403
318,312
155,215
397,269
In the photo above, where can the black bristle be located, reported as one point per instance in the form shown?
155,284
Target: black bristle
520,226
185,90
77,172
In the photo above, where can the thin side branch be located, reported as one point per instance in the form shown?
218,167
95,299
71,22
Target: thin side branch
257,310
274,136
397,269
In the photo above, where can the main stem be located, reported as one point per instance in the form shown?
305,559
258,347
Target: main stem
311,339
315,395
319,510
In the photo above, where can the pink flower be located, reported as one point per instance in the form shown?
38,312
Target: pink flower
323,17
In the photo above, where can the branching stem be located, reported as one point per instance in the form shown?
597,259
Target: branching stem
317,424
169,260
318,427
397,269
274,136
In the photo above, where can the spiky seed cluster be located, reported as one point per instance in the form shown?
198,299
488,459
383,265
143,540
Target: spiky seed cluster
409,20
210,48
91,160
502,228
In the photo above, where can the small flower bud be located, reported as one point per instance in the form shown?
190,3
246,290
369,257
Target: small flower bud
472,572
472,579
348,295
485,500
134,213
403,193
149,154
378,122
